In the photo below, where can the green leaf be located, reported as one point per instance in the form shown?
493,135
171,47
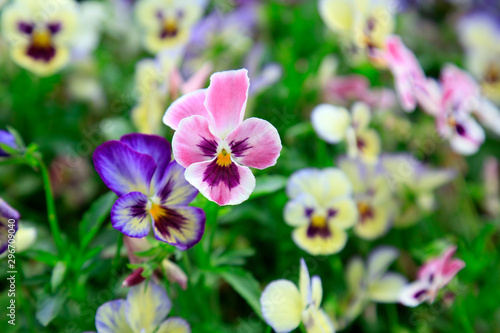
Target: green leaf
57,275
268,184
8,149
245,284
42,256
95,217
19,140
49,307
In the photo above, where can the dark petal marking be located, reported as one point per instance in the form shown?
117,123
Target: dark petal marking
431,278
420,293
208,147
54,28
169,219
41,53
309,212
332,213
313,231
360,143
238,148
215,173
460,129
26,28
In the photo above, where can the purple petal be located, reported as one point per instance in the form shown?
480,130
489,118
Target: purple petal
173,189
153,145
122,169
130,216
7,139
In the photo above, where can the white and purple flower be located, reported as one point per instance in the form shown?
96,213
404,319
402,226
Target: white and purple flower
151,188
143,311
432,276
213,142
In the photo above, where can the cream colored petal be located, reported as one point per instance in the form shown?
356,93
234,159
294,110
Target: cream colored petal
282,306
318,245
352,168
361,116
337,184
372,145
174,325
387,289
295,212
338,15
330,122
372,228
41,68
355,273
317,321
346,212
305,283
317,291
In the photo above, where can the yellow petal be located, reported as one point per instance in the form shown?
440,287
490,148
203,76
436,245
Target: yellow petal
338,15
319,245
330,122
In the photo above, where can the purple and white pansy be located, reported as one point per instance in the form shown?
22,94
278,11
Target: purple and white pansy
151,188
144,311
213,142
7,213
432,276
40,35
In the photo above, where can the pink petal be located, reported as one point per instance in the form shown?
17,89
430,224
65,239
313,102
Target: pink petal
193,142
227,99
229,185
431,268
450,269
255,143
188,105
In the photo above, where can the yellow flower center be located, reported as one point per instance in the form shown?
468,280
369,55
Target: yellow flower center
224,158
157,212
318,221
170,27
42,39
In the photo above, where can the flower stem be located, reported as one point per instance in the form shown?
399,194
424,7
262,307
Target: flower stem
51,207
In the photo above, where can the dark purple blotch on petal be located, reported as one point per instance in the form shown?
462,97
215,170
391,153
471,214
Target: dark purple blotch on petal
43,53
420,293
331,213
313,231
168,220
460,129
208,147
238,148
309,212
25,28
215,174
54,27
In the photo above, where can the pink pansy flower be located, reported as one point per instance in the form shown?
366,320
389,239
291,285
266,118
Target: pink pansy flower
213,142
406,71
432,276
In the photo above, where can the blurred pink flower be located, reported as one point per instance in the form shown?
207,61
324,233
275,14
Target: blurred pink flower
432,276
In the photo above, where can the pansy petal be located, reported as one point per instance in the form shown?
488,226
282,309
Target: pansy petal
226,100
380,259
344,212
226,185
387,289
375,224
320,243
123,169
281,305
255,143
336,182
110,318
337,14
153,145
317,321
468,137
317,291
174,325
172,189
369,145
298,211
361,115
414,293
181,227
129,215
307,180
146,307
188,105
304,283
450,269
489,115
193,142
330,122
355,273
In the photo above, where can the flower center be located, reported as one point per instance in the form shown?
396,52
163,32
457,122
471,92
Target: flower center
170,28
224,158
157,212
365,211
318,221
42,39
